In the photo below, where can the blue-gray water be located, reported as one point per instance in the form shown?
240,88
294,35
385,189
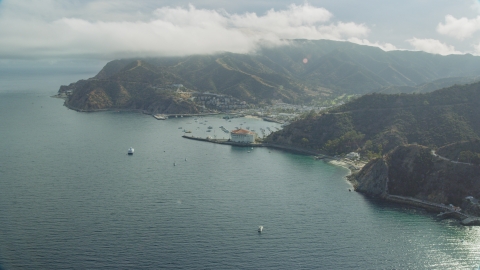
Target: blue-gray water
70,198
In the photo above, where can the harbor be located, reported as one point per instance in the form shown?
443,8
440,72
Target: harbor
270,145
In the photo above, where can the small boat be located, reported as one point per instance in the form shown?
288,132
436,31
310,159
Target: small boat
130,151
260,229
160,117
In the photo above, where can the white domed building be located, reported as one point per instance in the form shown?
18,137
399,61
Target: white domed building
243,136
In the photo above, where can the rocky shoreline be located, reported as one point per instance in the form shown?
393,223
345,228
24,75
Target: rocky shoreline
411,175
356,166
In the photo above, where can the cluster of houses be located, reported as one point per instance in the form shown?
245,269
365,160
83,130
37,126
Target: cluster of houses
296,108
221,102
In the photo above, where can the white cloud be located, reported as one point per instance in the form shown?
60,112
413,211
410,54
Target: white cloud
459,28
476,49
107,29
294,16
432,46
384,46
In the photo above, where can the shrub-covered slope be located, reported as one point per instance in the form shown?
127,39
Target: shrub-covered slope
377,123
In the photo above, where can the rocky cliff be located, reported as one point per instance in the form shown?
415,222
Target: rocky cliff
414,171
372,179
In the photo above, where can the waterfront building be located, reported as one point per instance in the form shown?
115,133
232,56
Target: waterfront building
243,136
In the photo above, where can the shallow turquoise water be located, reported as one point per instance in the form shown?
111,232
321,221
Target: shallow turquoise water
70,197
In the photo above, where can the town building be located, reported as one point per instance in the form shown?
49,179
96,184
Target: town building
353,155
243,136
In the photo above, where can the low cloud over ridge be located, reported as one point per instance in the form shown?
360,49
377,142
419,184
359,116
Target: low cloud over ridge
41,33
432,46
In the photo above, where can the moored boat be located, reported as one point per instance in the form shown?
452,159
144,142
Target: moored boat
160,117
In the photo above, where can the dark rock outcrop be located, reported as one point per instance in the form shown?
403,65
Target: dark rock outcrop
471,206
372,179
413,171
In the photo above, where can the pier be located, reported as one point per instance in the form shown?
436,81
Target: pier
223,141
177,115
445,211
271,145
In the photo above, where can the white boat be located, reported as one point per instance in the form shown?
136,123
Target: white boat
260,228
130,151
160,117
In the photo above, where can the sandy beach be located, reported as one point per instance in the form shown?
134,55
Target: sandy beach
353,166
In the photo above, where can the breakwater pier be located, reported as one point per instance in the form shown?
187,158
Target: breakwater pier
445,211
177,115
271,145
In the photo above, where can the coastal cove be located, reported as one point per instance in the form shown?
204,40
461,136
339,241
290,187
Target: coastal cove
442,210
72,197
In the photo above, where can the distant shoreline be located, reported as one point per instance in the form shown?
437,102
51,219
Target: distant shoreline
343,162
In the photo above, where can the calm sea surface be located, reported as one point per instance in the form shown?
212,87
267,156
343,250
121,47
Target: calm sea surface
71,198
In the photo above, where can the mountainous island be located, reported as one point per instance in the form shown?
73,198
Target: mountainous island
300,72
421,144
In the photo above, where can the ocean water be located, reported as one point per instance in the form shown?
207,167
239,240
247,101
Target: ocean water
71,198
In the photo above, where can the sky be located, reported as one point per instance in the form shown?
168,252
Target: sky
53,30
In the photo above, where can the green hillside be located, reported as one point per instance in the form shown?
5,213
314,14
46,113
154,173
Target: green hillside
376,123
465,151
